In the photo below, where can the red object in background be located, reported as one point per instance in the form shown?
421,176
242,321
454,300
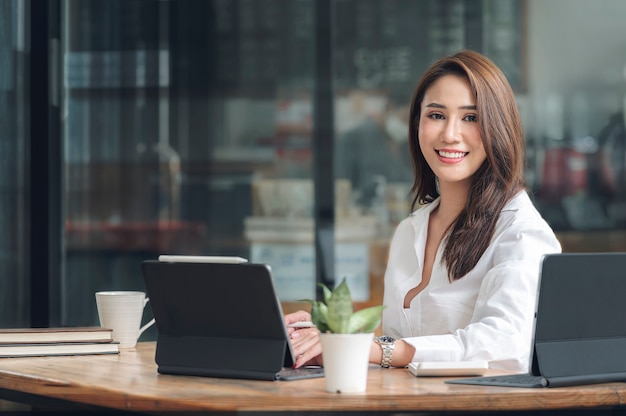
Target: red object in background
576,171
158,237
564,173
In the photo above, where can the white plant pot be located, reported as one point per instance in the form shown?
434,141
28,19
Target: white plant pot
346,361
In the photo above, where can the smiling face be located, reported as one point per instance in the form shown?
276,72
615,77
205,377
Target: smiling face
449,132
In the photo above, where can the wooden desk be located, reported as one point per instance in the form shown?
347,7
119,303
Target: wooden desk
130,382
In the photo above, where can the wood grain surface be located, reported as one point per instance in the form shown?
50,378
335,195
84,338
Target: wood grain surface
130,381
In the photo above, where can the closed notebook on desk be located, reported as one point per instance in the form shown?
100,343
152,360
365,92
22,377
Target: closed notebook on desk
580,323
219,320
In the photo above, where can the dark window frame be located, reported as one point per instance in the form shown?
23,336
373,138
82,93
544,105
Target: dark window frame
45,153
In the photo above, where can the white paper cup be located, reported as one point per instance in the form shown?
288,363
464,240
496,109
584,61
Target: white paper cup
122,311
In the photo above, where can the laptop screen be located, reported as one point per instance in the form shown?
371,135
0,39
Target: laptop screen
580,309
579,296
207,303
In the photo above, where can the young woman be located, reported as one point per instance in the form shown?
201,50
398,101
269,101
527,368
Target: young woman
463,268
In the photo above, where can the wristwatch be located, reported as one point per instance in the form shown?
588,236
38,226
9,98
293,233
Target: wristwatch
387,344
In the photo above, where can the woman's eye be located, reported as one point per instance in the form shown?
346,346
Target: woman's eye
471,118
436,116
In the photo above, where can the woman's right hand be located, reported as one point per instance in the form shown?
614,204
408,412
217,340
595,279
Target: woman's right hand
292,318
305,342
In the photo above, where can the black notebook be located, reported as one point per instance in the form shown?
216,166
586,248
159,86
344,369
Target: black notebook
580,324
219,320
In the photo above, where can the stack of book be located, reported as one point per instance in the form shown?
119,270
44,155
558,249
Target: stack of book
33,342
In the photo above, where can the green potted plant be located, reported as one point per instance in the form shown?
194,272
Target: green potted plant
346,336
335,313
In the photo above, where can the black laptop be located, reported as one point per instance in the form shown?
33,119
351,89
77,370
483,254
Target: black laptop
219,320
580,324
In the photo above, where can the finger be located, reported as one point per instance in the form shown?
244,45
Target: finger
295,333
308,330
303,340
298,316
311,356
306,348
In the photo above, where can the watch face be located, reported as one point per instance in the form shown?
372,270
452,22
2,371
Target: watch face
385,339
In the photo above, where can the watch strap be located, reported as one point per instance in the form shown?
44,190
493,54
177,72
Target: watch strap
387,345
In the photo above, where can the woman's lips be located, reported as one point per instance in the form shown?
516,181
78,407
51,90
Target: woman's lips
451,155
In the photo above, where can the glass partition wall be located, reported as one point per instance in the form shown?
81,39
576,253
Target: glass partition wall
187,131
200,127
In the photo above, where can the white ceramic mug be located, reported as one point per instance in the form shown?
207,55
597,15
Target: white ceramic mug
122,311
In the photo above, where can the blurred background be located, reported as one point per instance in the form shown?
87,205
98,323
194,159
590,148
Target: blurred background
273,130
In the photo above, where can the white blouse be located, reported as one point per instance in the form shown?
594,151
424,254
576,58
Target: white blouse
487,314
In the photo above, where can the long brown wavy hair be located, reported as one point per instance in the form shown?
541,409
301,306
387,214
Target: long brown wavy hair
497,180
